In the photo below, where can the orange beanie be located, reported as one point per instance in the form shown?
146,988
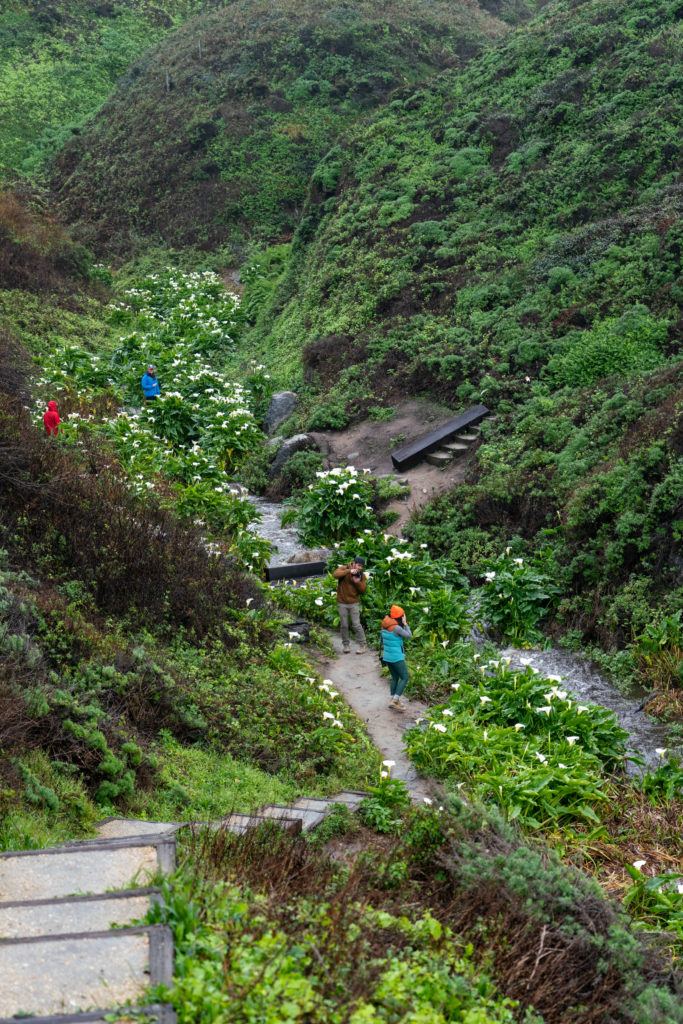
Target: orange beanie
396,612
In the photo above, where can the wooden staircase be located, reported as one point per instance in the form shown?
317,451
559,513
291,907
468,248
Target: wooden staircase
68,950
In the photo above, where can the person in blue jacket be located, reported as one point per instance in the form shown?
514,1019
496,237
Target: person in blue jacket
395,630
150,384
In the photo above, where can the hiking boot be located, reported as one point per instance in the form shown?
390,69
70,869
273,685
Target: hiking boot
397,704
362,650
346,650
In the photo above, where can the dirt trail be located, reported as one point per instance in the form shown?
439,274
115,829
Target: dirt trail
359,678
369,445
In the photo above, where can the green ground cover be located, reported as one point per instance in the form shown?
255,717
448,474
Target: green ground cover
127,632
59,61
511,234
432,927
507,231
211,138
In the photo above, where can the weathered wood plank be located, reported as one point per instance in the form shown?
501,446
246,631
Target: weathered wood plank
295,571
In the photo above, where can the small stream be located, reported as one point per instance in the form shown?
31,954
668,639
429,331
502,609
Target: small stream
578,673
285,540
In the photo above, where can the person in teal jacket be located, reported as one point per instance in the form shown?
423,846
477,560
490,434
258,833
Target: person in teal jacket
150,384
395,630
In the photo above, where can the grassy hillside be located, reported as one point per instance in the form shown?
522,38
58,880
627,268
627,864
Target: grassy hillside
59,60
511,233
212,136
506,229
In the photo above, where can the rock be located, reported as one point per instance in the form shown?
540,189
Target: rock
317,555
282,405
298,443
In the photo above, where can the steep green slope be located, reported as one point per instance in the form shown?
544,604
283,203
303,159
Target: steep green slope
512,234
213,136
59,59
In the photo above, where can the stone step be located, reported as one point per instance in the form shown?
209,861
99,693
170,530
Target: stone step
455,448
308,818
438,458
159,1013
72,914
90,867
351,797
467,438
118,828
312,803
61,974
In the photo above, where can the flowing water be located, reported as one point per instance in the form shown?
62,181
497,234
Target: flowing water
285,540
578,674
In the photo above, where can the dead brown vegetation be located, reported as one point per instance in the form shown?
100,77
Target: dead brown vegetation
36,254
550,940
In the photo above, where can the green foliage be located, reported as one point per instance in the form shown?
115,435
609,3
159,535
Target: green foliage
334,506
623,346
35,792
431,591
227,934
388,799
524,743
515,596
658,652
59,63
201,428
657,902
271,92
477,259
300,470
663,784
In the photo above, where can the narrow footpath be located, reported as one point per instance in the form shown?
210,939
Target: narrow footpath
359,678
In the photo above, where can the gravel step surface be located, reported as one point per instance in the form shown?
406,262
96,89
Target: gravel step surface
309,818
241,823
74,870
117,828
64,974
351,797
74,914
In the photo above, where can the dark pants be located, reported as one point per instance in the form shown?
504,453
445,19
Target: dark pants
399,676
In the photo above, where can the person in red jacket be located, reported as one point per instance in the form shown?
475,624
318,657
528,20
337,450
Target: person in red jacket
51,419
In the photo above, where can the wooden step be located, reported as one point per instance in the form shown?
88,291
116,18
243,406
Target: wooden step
60,974
415,451
159,1013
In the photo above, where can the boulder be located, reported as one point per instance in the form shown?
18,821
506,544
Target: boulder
282,405
315,555
298,443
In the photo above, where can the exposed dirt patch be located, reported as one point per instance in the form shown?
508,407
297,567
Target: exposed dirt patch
369,445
